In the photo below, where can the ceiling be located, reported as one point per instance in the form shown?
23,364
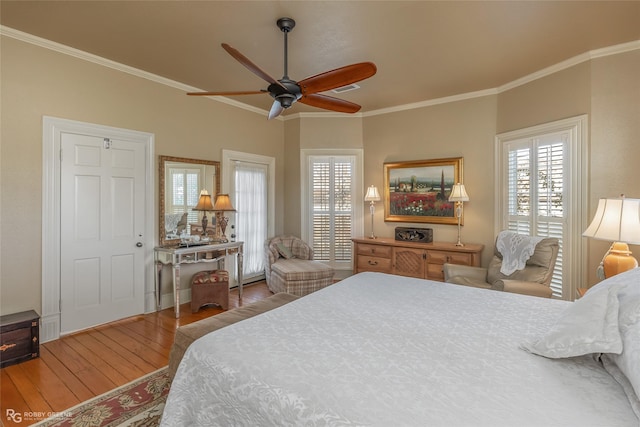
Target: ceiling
424,50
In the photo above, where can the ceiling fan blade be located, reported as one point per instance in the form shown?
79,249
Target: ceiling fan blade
337,78
250,65
276,110
245,92
329,103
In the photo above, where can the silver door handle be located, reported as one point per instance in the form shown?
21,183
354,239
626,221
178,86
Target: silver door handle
139,244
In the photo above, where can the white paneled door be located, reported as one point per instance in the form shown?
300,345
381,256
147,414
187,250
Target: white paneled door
102,201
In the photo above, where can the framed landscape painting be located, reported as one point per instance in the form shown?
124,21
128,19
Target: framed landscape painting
418,191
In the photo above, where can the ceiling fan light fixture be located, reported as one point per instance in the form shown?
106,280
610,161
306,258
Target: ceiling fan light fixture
286,100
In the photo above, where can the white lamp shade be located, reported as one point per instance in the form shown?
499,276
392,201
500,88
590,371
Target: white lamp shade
458,194
616,220
372,194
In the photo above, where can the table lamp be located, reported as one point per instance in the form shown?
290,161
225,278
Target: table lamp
204,205
616,220
372,196
223,204
458,195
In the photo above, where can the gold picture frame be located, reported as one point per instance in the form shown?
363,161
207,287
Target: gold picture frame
418,191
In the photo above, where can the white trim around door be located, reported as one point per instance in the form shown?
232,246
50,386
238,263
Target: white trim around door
52,129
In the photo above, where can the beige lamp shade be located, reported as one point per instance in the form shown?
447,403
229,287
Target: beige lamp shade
372,194
223,203
458,194
204,203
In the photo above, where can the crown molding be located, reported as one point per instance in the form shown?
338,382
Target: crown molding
66,50
98,60
578,59
431,102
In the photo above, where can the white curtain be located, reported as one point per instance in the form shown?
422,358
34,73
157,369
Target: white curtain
251,218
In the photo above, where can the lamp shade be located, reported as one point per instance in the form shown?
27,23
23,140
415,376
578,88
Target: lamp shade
372,194
458,194
204,203
616,220
223,203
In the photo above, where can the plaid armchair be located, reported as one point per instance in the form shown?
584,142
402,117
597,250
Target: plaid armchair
289,267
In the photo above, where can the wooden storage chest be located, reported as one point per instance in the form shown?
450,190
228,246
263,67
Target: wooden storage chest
19,337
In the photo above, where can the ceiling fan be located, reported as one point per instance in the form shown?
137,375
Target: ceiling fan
286,91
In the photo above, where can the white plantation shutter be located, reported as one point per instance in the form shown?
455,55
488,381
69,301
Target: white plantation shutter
186,192
535,192
332,212
537,187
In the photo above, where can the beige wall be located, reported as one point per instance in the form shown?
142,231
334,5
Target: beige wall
36,82
312,133
458,129
290,192
615,137
558,96
608,90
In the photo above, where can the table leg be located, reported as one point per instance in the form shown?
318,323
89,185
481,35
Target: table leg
240,259
158,285
176,288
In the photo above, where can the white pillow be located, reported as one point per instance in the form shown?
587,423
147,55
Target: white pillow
629,325
589,325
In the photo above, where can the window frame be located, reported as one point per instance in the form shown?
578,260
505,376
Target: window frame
180,169
576,191
306,221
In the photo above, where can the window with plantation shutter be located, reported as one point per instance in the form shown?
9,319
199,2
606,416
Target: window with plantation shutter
332,190
535,195
186,192
541,192
331,210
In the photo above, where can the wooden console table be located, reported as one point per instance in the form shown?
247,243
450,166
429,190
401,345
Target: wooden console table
422,260
177,256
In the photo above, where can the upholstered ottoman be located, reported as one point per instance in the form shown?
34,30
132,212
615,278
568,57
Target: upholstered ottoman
210,287
187,334
299,276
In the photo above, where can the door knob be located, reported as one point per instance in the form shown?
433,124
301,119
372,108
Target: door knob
139,244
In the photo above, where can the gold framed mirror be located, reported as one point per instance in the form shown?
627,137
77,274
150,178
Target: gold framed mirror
181,181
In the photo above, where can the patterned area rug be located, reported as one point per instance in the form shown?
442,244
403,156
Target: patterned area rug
137,404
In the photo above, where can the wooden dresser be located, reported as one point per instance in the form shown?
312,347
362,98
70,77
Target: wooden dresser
423,260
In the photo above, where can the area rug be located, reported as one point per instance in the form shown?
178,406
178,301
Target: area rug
137,404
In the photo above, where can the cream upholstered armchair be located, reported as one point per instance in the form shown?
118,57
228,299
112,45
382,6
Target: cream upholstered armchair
533,279
289,267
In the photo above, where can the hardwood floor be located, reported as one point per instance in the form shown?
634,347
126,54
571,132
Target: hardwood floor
86,364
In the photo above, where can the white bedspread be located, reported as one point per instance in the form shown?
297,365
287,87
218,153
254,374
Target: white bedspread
381,350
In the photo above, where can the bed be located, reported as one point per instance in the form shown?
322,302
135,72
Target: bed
383,350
